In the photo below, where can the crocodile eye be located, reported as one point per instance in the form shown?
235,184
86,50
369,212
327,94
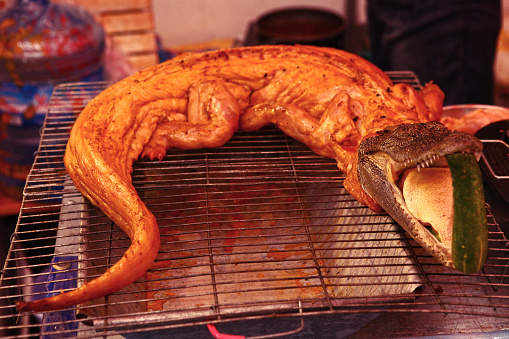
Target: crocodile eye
386,130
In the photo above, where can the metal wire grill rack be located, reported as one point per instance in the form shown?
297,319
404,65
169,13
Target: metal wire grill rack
257,229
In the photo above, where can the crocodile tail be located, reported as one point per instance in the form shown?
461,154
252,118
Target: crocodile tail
107,188
132,266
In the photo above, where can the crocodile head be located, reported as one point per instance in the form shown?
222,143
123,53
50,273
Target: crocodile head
384,160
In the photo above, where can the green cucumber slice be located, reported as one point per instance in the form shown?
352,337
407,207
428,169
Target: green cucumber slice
470,231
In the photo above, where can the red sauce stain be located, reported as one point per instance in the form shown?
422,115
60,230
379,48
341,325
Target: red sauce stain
161,264
288,251
229,242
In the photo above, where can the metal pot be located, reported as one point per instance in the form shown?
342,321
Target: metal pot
307,26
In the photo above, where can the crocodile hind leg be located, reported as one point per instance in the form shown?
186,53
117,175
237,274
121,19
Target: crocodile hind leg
212,119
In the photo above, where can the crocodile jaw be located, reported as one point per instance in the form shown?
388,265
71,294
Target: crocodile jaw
382,158
379,182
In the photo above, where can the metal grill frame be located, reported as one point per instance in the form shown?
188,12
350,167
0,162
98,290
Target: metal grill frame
54,214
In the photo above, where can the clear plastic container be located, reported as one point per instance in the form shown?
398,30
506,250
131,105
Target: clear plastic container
42,44
43,41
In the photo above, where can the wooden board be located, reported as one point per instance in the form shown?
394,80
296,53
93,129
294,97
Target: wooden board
130,26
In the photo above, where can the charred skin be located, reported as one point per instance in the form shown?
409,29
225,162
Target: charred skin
328,99
384,157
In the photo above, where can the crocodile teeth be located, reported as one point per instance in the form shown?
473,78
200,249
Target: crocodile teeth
422,164
426,162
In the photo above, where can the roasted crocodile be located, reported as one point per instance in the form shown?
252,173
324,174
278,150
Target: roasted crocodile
328,99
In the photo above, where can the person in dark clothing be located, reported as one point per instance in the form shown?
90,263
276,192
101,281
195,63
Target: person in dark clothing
449,42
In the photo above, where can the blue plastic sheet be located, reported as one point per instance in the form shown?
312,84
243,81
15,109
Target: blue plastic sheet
63,275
